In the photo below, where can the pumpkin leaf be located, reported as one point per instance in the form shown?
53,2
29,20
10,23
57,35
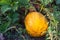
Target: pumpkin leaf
57,1
24,2
2,2
5,8
45,2
4,26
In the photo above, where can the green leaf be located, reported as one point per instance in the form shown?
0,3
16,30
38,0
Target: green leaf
15,6
5,8
15,17
57,15
24,2
45,2
57,1
2,2
4,26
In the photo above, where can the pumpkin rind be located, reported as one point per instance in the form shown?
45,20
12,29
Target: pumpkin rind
36,24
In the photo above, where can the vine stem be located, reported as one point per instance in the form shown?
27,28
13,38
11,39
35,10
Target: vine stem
9,29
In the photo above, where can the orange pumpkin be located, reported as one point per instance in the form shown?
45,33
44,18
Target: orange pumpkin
36,24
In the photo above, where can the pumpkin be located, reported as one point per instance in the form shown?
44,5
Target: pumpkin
36,24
